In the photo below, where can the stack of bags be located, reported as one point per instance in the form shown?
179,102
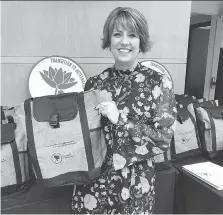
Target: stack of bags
198,132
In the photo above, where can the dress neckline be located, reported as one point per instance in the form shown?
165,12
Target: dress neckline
124,72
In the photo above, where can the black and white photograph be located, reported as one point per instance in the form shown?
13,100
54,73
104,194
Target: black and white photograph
111,107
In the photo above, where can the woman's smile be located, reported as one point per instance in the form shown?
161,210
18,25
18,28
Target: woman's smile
123,50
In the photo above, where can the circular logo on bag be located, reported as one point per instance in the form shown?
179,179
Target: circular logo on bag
56,75
56,158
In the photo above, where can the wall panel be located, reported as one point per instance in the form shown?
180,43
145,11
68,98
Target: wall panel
15,83
34,30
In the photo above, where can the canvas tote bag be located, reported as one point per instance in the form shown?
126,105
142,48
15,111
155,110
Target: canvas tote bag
14,158
65,139
186,142
210,124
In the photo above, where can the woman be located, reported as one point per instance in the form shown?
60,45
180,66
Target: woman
138,122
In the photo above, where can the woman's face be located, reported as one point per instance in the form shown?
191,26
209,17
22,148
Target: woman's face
124,48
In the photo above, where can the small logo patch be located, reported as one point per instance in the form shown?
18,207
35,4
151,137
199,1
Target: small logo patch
56,158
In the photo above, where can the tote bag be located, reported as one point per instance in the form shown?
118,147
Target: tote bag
66,142
210,124
14,158
186,142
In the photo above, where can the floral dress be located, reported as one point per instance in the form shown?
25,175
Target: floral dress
146,102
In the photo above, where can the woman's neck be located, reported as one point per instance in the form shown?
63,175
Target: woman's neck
123,66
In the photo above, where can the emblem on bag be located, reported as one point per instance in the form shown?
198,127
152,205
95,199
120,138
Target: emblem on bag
56,75
56,158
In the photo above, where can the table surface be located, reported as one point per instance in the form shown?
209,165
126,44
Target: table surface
195,196
202,183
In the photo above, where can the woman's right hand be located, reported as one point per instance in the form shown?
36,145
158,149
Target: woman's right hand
109,110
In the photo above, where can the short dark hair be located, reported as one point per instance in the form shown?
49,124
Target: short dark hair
129,18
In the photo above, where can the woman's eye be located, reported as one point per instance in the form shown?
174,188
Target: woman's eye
117,34
132,35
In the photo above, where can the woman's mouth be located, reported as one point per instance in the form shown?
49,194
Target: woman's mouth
124,50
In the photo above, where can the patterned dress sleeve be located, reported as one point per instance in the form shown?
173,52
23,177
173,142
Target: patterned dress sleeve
88,84
150,135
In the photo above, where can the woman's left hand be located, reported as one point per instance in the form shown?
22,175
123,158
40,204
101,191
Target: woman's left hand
109,110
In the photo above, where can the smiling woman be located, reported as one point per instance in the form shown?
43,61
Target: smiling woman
128,19
126,35
125,48
138,123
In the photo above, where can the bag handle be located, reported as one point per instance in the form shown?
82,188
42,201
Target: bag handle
195,127
31,143
85,130
2,115
213,129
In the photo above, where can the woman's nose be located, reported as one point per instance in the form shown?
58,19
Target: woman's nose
125,40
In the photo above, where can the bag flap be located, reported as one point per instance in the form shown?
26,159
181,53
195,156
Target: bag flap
185,100
62,107
7,133
208,104
216,112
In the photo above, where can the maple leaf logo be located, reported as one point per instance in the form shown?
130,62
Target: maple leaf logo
58,79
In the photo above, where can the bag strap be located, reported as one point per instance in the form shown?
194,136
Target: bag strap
172,145
213,130
13,145
15,154
195,127
30,137
85,130
2,115
165,156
